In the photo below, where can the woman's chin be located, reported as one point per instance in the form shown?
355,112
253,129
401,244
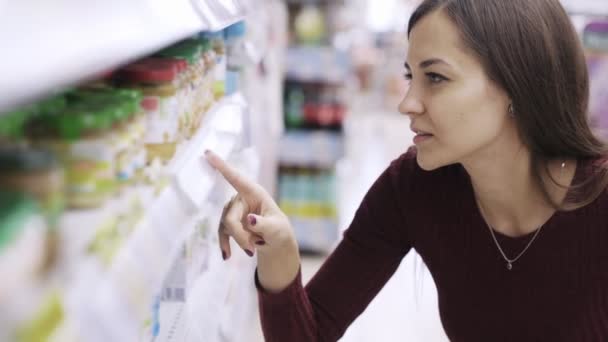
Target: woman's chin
428,163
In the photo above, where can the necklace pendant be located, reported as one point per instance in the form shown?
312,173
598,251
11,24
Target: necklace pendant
509,266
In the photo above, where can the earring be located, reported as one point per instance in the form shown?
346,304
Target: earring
511,110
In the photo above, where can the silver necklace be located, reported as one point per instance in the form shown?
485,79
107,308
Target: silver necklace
510,262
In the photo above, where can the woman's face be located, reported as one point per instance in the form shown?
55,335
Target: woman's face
451,98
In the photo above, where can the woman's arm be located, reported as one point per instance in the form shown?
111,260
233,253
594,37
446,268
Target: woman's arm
370,253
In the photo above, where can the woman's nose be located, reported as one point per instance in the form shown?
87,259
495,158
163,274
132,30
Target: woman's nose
410,105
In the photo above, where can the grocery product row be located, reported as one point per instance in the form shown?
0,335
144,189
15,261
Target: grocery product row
308,197
313,106
319,149
119,131
101,185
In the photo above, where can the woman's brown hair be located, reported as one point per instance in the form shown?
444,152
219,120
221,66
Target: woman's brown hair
531,50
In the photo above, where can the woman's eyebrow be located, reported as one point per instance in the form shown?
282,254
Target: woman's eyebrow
427,63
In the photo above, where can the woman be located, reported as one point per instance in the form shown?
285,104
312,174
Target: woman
504,195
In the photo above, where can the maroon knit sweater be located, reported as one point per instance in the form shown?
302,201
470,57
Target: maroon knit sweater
557,291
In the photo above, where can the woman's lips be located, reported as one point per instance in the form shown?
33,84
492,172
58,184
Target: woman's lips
422,137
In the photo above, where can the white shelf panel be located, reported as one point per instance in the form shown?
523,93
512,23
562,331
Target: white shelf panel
139,267
173,322
48,45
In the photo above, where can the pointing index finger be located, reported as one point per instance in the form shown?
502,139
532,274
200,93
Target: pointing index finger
238,181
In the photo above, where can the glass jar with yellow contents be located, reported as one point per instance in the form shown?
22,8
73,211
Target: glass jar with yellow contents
218,44
36,172
159,84
190,51
79,136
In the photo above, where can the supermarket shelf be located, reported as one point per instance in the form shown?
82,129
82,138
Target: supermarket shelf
49,45
136,272
191,178
317,149
317,235
317,64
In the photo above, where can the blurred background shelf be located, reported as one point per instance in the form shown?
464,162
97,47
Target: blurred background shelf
315,149
586,7
317,64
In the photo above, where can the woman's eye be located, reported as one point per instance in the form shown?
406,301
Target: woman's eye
407,76
435,78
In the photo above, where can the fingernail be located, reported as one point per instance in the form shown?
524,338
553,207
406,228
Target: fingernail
250,253
223,255
252,220
260,243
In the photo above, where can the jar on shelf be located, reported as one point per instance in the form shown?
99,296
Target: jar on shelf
80,137
130,129
208,79
218,44
51,104
35,172
158,81
118,105
22,243
203,84
189,51
235,51
137,131
11,127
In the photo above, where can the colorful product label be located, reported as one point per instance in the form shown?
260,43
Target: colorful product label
162,123
90,170
219,76
124,164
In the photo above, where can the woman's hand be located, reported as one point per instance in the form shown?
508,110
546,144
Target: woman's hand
251,218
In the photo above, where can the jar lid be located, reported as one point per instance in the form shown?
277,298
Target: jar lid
151,70
237,29
51,104
206,45
189,49
78,121
129,100
150,103
182,64
21,159
120,104
6,126
112,110
212,34
73,125
12,124
109,105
